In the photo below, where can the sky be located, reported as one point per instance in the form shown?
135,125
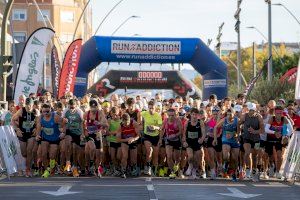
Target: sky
197,18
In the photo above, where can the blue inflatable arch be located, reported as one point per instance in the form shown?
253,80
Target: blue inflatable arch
154,50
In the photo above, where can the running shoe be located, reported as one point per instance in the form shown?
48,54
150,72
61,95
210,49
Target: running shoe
100,171
75,172
28,173
172,175
117,173
148,171
233,177
188,172
123,175
46,173
161,172
265,176
248,173
213,174
203,175
134,171
180,174
36,172
176,168
241,175
194,174
52,164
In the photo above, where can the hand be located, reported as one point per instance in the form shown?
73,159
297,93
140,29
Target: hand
200,140
277,134
151,127
284,140
185,144
251,130
65,120
130,140
19,133
62,136
215,142
38,137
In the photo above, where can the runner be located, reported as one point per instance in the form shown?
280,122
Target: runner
25,121
230,143
114,146
7,115
193,138
253,126
74,134
172,127
152,124
49,134
95,122
128,134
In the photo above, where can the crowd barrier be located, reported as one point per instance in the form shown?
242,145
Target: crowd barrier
11,159
290,168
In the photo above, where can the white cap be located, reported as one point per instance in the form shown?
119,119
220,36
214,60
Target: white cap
237,108
251,106
205,103
175,104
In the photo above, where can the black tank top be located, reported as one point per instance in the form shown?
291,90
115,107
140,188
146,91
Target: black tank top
27,121
193,132
133,115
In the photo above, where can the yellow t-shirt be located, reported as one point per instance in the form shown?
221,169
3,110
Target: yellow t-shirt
151,120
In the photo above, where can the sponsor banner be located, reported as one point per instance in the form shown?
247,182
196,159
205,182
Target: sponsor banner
69,68
80,81
55,70
116,79
10,149
214,83
31,64
297,90
290,76
146,47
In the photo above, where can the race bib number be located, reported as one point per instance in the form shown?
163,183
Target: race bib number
92,129
229,134
149,130
48,131
74,125
27,125
192,135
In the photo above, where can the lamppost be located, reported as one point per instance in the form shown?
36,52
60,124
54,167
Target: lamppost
82,13
253,27
270,62
218,45
282,5
3,56
112,9
237,29
124,22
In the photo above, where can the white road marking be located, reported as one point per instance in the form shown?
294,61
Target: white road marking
63,190
238,194
150,187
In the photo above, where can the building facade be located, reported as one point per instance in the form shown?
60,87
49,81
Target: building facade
60,15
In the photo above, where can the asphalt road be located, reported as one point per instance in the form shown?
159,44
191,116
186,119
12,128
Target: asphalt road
143,188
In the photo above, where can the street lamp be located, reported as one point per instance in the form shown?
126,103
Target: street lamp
124,22
107,16
218,45
253,27
280,4
239,55
3,56
77,25
270,62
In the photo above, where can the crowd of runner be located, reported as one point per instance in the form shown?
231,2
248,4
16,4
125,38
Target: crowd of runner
134,136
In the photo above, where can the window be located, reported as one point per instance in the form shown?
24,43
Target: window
20,36
48,81
66,38
67,16
46,14
19,14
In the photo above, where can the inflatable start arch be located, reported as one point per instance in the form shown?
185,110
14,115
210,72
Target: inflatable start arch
153,50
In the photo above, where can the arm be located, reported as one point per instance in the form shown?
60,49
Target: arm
267,127
261,126
184,133
137,130
15,118
219,124
38,128
119,136
202,131
103,121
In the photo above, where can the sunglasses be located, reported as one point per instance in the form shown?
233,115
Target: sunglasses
46,111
